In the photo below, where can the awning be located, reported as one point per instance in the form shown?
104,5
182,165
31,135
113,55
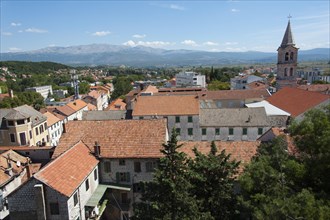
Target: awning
100,190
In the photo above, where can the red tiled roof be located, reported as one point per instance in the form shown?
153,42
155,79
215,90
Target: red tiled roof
91,107
322,88
234,94
66,110
296,101
240,150
117,138
67,172
114,105
166,105
51,118
77,104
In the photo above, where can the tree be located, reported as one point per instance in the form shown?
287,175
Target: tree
217,85
122,85
83,88
273,186
167,196
312,138
213,178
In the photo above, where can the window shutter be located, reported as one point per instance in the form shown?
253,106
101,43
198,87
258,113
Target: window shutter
117,177
128,177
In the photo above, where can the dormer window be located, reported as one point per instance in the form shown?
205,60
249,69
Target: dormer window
10,123
20,122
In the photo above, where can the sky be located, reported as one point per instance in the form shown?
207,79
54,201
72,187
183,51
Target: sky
219,25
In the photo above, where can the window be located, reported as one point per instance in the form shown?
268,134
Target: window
138,187
95,174
41,128
10,123
291,71
260,130
45,126
20,122
203,131
285,72
291,56
22,138
150,166
87,184
244,131
30,132
124,198
286,56
137,167
190,131
123,177
122,162
231,131
12,138
177,119
190,119
107,167
37,132
178,131
217,131
141,117
75,199
219,104
54,208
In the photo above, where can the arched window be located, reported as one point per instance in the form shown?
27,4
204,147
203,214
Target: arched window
291,71
286,56
291,56
285,72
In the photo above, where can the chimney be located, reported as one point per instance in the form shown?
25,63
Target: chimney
9,169
97,149
64,128
28,171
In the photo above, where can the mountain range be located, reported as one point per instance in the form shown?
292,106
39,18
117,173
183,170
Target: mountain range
140,56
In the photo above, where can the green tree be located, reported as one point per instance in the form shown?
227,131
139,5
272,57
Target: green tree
83,88
167,196
213,178
122,85
273,186
217,85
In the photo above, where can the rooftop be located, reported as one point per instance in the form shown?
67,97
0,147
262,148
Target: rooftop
166,105
296,101
51,118
67,172
117,138
234,94
77,104
103,115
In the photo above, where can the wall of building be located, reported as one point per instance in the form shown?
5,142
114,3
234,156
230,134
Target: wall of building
55,132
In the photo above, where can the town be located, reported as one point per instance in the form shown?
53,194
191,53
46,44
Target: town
99,144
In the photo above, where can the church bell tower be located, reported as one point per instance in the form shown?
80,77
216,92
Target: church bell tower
287,56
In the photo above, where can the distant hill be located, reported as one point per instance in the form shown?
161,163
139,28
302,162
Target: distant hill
25,67
105,54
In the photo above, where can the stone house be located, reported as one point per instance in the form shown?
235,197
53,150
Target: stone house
241,124
79,106
23,126
128,151
98,98
60,190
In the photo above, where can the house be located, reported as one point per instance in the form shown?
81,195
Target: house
244,82
43,90
79,106
185,79
98,98
14,170
231,98
55,128
23,126
297,101
60,190
64,112
117,104
235,124
182,112
277,117
128,151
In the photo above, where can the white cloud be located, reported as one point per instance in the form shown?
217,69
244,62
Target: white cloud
234,10
147,43
189,43
231,43
210,43
139,35
6,33
35,30
15,24
176,7
14,49
101,33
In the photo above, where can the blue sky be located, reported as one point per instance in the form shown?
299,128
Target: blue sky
197,25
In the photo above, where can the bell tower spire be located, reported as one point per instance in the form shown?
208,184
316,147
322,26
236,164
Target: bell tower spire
287,56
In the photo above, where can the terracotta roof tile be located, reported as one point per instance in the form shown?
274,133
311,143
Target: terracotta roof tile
51,118
117,104
296,101
166,105
117,138
91,107
77,104
322,88
240,150
234,94
67,172
65,110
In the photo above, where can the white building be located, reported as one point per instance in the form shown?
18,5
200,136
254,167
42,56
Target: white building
43,90
190,79
55,128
